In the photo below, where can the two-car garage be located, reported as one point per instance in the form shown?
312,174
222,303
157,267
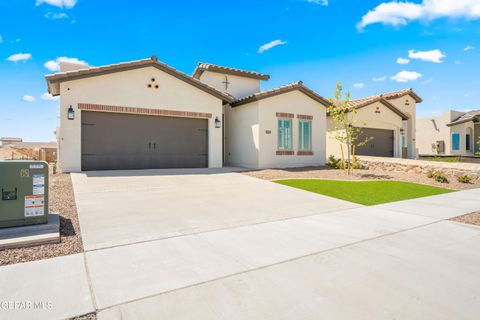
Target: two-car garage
112,141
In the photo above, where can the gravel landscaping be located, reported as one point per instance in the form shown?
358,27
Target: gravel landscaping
90,316
359,174
470,218
62,200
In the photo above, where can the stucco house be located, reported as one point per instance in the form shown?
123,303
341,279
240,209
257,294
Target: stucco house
146,114
388,119
454,133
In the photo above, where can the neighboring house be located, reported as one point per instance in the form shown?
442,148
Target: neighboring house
387,120
9,140
452,133
146,114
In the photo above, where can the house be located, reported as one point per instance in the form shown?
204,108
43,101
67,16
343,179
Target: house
146,114
452,133
386,120
9,140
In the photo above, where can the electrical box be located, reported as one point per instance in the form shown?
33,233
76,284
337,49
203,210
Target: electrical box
440,145
24,193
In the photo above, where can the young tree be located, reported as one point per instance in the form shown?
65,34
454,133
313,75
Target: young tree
343,130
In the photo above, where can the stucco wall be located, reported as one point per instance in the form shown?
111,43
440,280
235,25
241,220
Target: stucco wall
408,106
367,117
296,103
238,86
242,139
130,89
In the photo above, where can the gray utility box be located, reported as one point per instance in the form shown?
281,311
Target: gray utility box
24,193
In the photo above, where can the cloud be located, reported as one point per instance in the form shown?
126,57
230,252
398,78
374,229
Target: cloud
270,45
403,61
56,16
359,85
430,56
28,98
67,4
20,57
396,13
1,38
378,79
48,97
468,48
406,76
320,2
54,65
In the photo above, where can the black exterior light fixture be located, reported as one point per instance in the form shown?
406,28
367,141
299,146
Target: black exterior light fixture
70,113
218,123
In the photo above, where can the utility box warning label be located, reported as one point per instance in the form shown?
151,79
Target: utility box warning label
34,206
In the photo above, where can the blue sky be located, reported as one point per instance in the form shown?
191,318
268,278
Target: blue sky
356,42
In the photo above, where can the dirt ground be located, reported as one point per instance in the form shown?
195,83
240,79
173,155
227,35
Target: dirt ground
471,218
360,174
62,200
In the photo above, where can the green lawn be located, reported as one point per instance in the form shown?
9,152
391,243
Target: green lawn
365,192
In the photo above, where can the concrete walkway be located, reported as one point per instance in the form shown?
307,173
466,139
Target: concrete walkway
363,263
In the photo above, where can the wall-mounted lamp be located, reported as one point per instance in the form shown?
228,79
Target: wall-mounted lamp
218,123
70,113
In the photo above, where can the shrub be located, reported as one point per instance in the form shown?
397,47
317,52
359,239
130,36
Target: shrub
356,164
437,176
333,162
464,179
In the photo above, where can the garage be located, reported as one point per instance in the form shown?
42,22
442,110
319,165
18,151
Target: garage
112,141
381,143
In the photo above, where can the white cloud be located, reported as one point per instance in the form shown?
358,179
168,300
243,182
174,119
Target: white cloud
320,2
56,16
270,45
403,61
406,76
28,98
68,4
47,96
359,85
19,57
396,13
430,56
468,48
54,65
378,79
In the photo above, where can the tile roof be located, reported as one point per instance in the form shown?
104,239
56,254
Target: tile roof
387,96
53,80
363,102
473,115
201,67
280,90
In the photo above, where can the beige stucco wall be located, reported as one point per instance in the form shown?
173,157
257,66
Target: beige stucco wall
408,106
130,89
297,103
428,134
242,135
239,86
367,117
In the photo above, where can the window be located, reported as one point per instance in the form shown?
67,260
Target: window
305,135
455,141
467,142
285,134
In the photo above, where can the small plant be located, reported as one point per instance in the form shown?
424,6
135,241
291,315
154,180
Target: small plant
437,176
464,179
356,164
333,162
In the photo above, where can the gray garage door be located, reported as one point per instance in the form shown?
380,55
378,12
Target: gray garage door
124,141
380,146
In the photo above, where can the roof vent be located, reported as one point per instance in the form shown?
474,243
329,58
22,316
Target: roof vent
154,58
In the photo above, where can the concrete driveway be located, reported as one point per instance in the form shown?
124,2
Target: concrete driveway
395,261
124,207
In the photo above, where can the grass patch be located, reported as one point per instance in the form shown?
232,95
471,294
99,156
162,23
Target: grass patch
365,192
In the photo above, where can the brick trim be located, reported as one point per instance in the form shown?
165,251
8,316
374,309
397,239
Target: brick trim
285,153
144,111
304,117
285,115
304,153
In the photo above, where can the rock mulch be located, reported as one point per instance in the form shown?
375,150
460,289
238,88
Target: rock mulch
360,174
470,218
89,316
62,200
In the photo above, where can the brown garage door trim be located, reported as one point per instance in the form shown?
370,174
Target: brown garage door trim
144,111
